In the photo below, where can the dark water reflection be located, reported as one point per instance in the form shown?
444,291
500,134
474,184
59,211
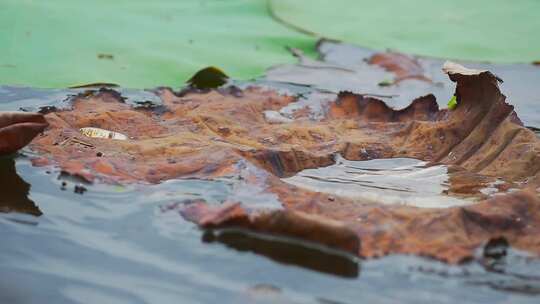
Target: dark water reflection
289,252
14,193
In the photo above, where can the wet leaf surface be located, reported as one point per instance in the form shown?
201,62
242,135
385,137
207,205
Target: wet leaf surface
225,133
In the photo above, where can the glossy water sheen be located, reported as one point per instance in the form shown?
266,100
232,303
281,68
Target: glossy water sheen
396,181
129,245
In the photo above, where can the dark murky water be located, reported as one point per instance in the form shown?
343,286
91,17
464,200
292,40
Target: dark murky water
117,244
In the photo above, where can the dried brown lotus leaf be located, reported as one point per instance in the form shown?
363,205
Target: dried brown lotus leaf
224,133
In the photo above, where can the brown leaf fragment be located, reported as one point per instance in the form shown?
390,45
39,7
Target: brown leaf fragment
17,129
403,66
450,234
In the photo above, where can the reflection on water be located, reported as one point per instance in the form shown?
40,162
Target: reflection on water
403,181
44,100
290,252
14,190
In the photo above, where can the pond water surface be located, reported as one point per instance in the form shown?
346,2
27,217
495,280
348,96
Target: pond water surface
129,244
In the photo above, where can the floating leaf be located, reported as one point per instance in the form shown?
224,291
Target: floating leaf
219,133
447,29
153,43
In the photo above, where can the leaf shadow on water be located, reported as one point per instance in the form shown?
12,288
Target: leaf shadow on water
288,252
14,194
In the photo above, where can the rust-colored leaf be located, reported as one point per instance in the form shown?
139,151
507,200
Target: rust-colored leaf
226,133
17,129
403,66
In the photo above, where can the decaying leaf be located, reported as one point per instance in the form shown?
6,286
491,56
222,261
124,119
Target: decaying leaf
224,133
403,66
162,45
17,129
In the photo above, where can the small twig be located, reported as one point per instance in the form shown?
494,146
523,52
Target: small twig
78,141
64,142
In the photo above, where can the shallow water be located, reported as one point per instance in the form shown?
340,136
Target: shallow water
116,244
396,181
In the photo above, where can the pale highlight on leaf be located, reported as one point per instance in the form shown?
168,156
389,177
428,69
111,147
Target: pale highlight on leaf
101,133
